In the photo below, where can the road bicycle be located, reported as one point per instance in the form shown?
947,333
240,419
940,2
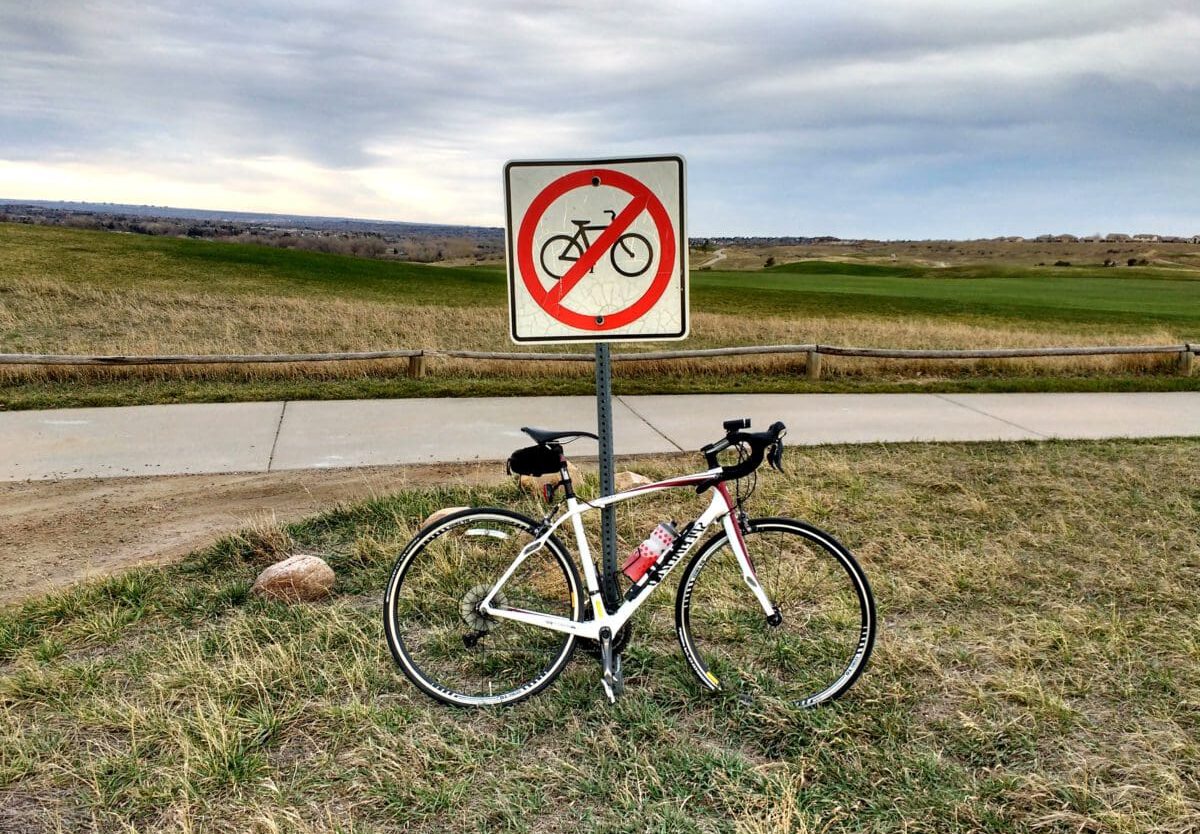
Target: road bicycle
486,606
631,254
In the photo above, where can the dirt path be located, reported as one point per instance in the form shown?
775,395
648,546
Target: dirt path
56,533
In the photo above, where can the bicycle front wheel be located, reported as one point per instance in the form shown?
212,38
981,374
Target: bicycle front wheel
822,638
631,255
438,635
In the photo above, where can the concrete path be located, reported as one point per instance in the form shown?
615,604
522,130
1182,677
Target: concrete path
265,437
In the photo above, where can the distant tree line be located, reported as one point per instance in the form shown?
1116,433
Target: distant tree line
418,247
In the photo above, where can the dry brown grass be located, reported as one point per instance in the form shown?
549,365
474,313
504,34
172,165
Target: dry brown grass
59,316
938,253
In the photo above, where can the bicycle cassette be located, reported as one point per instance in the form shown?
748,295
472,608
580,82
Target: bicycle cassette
469,608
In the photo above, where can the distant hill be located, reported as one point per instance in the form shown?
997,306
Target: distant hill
288,221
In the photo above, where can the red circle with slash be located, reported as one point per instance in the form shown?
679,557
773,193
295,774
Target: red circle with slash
643,199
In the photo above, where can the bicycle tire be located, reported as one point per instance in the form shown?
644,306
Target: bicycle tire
826,635
568,243
427,602
623,243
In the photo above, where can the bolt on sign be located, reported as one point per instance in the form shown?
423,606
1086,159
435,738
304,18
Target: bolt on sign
596,250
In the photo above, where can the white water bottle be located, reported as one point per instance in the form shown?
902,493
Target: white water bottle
650,551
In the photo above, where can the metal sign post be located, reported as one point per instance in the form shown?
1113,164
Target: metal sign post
608,515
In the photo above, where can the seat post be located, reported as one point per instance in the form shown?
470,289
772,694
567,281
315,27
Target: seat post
565,474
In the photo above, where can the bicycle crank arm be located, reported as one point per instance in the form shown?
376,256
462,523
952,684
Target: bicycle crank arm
612,678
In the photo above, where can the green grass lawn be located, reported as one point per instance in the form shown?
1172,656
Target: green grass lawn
98,393
1124,298
1036,670
118,260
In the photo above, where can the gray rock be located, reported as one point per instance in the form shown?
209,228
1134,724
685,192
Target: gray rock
438,515
629,480
300,578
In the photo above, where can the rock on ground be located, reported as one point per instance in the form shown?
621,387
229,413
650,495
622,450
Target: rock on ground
438,515
629,480
299,578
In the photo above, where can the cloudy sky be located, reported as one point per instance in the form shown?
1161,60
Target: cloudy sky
888,118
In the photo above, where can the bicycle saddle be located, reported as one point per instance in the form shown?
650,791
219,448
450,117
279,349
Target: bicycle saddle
548,436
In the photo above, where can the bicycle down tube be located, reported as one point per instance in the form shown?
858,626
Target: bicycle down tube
721,507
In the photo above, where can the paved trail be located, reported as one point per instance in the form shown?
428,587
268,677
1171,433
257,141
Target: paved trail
218,468
277,436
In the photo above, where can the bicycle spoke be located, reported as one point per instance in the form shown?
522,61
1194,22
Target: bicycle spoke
451,648
817,647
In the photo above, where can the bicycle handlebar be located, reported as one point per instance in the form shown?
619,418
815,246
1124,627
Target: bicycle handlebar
759,443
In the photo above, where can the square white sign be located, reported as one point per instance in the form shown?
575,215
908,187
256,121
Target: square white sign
597,250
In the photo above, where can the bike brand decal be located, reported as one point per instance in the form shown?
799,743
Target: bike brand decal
495,534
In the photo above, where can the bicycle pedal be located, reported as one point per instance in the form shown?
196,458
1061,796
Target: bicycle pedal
609,692
613,681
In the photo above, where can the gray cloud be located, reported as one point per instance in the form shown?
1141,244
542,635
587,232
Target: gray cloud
924,118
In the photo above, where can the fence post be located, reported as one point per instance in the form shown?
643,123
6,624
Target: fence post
416,366
1187,359
813,365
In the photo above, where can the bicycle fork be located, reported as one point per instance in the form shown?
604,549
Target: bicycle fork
733,532
732,522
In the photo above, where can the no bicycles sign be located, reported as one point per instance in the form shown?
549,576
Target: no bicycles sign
596,250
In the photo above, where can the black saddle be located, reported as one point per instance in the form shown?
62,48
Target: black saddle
549,436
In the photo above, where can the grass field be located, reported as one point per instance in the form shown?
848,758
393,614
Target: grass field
70,291
1047,296
1036,669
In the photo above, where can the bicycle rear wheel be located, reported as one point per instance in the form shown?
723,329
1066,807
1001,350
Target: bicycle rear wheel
826,629
559,254
434,628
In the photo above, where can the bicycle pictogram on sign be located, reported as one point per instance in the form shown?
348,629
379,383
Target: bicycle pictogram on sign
596,253
631,255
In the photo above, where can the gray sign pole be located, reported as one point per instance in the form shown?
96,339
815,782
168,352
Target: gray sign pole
608,515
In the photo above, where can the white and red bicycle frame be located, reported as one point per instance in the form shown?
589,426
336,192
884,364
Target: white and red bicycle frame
720,509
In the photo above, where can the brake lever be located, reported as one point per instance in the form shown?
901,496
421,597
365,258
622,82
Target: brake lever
775,455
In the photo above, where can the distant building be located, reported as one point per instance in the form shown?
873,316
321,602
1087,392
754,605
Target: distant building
1146,237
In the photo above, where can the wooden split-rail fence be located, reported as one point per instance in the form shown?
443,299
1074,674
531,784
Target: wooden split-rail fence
418,367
